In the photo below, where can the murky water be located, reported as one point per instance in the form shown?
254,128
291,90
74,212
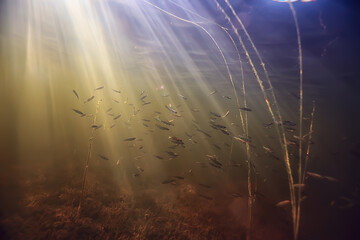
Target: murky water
183,134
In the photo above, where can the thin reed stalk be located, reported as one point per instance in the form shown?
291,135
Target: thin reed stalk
250,198
309,143
297,223
91,140
281,134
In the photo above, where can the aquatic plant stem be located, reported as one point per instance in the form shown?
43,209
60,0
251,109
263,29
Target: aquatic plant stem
217,46
88,158
250,198
297,223
309,143
302,180
281,134
244,125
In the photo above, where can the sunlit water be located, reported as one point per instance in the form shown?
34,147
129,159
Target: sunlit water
142,91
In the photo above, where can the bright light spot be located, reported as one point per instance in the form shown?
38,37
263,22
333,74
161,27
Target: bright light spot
286,1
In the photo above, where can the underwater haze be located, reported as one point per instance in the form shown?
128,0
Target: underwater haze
179,119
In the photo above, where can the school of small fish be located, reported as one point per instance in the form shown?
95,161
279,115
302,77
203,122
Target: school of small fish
166,119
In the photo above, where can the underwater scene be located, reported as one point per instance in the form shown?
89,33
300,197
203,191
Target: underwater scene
179,119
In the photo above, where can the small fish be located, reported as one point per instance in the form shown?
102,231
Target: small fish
289,123
96,126
168,181
227,97
135,111
290,130
214,160
129,139
159,157
167,123
140,169
212,93
142,92
112,125
303,139
145,125
182,96
99,88
143,97
109,110
242,139
245,109
103,157
179,177
145,120
215,114
217,146
196,110
161,127
117,91
76,94
89,99
283,203
219,126
177,140
172,154
236,195
79,112
111,114
116,101
117,116
225,131
268,149
225,115
268,125
316,175
169,107
146,103
203,132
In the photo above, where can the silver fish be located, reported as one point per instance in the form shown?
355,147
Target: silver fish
212,93
99,88
161,127
79,112
129,139
76,94
182,96
245,109
89,99
103,157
